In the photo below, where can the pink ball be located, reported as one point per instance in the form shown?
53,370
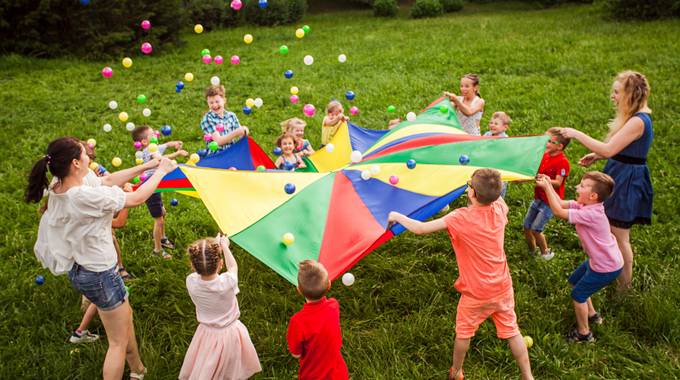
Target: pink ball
236,5
232,168
309,110
147,48
354,110
218,59
107,72
146,24
394,179
157,133
294,99
235,60
219,127
207,137
143,177
207,59
138,145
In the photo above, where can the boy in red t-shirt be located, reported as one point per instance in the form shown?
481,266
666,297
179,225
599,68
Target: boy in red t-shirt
314,334
477,234
556,166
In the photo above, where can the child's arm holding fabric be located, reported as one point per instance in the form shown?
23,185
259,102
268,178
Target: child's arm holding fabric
229,260
559,207
416,226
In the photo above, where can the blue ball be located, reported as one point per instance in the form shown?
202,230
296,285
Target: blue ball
350,95
288,166
202,153
166,130
464,159
247,110
262,4
179,85
277,151
174,202
288,74
178,90
411,164
85,2
289,188
39,279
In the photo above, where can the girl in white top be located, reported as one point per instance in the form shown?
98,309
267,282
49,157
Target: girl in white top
469,106
75,237
221,347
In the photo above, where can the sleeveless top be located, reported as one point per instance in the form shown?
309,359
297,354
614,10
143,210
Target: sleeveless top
470,123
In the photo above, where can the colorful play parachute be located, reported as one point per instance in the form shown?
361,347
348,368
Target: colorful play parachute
339,217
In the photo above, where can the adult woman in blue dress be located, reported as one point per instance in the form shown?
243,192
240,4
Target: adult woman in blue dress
626,147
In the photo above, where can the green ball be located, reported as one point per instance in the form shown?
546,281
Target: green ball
306,28
391,109
135,180
205,52
141,98
260,168
213,146
153,140
283,50
443,109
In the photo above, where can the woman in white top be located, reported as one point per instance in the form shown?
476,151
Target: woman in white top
75,237
469,106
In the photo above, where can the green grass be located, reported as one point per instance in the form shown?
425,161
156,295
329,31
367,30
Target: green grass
544,67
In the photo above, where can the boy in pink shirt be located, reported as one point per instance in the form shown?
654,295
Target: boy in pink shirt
604,262
477,233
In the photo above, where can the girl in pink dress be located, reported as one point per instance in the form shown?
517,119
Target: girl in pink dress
221,347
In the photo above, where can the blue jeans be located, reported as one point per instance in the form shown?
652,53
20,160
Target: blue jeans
104,289
587,282
538,215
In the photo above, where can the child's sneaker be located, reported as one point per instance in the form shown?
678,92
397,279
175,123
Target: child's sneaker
166,243
549,254
575,337
84,337
452,375
595,319
163,254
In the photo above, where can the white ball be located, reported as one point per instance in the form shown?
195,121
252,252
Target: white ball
348,279
342,58
411,116
375,169
215,81
113,104
365,175
107,127
355,156
445,209
130,126
259,102
308,60
329,148
139,154
146,112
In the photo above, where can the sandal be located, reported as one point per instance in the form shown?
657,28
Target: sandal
138,376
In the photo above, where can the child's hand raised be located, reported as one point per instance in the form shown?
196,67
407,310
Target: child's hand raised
183,152
167,165
588,159
543,181
223,240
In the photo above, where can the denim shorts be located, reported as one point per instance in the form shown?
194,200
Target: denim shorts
587,282
538,215
104,289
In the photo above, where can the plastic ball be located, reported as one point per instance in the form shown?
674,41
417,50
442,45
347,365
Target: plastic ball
198,28
94,166
107,72
127,62
218,59
288,74
289,188
248,39
288,238
233,168
464,159
174,202
113,104
354,110
348,279
146,48
219,128
394,179
123,116
205,52
235,59
277,151
137,145
283,50
141,98
289,166
391,109
350,95
355,156
146,24
130,126
260,168
411,116
294,99
443,109
143,177
262,4
342,58
411,164
166,130
250,102
139,161
294,90
365,175
116,162
202,153
107,127
236,5
330,148
299,33
445,209
207,137
375,169
84,2
207,59
146,112
215,81
39,280
306,29
247,110
213,146
153,147
259,102
308,60
91,143
136,180
309,110
179,84
139,154
194,157
528,341
188,77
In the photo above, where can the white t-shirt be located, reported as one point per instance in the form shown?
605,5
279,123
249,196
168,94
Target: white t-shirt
77,228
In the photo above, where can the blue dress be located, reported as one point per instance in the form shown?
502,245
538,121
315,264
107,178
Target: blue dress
631,202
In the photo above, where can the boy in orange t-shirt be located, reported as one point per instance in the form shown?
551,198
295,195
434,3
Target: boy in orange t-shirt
477,233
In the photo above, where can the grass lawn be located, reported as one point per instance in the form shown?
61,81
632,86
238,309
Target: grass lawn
544,67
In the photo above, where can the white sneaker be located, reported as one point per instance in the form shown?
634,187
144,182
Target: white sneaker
549,254
83,337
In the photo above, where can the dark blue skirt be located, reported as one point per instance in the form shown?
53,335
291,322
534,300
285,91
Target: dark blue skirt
631,202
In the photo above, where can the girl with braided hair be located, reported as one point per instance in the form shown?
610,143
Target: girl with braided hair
221,347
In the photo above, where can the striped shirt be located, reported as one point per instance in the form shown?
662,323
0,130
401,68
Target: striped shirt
212,119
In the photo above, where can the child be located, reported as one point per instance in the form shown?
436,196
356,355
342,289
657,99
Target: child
604,262
331,122
222,125
555,165
296,127
314,335
477,234
144,134
221,347
498,125
288,160
469,106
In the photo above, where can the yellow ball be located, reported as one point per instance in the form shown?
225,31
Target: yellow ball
92,142
288,238
528,341
123,116
299,33
153,147
250,102
194,158
294,90
198,28
139,161
94,166
116,162
188,77
248,38
127,62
